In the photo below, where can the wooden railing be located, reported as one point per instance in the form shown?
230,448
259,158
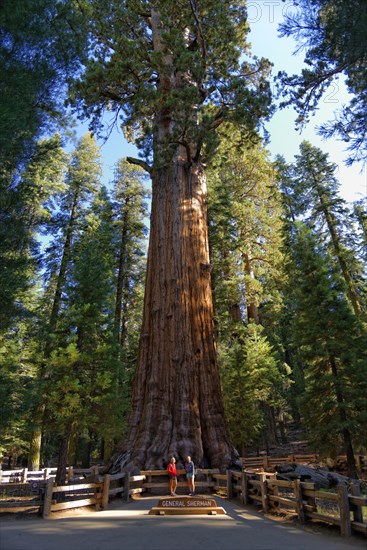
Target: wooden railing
343,508
266,462
24,475
73,496
303,498
20,495
204,481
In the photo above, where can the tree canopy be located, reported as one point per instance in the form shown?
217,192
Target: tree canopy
333,35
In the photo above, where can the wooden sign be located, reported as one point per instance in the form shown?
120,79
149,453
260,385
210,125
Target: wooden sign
187,505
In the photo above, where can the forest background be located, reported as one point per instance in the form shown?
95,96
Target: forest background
288,268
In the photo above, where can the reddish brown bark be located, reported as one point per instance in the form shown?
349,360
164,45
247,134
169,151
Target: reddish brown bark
177,403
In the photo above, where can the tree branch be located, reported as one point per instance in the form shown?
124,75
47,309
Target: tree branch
201,36
140,163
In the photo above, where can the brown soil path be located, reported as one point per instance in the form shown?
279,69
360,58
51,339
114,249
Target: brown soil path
127,526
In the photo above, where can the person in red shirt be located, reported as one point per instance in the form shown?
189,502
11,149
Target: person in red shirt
172,472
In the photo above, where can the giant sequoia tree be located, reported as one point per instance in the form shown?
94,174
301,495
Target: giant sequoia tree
171,70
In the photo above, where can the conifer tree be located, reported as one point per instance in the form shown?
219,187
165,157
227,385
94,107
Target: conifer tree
332,344
173,72
332,33
81,181
245,245
130,214
23,215
40,47
38,183
315,195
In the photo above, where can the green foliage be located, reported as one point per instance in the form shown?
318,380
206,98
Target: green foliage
333,33
245,231
251,376
245,235
62,365
331,343
180,61
311,193
40,46
18,387
25,209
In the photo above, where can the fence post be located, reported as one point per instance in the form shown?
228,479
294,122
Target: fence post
266,463
126,492
264,493
300,508
355,489
47,499
229,484
70,473
24,475
244,483
105,490
343,501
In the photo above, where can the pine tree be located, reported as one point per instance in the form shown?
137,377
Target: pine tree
130,213
81,181
245,243
39,49
315,195
332,345
253,384
333,35
24,212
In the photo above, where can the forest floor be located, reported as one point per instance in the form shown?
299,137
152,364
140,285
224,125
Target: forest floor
296,442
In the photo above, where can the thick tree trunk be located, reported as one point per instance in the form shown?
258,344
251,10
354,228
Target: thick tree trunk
177,405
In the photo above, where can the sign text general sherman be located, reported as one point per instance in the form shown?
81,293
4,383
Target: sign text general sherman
188,503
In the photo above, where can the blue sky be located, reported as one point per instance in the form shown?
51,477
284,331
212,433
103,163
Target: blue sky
264,17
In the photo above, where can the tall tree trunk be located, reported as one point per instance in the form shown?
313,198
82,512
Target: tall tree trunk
361,216
121,280
62,460
347,439
350,286
177,405
252,309
34,452
36,435
61,276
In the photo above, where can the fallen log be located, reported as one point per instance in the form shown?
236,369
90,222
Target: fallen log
321,476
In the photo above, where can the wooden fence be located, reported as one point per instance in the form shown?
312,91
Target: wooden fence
22,495
266,462
24,475
343,508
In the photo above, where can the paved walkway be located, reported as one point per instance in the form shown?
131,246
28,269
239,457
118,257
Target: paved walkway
129,527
